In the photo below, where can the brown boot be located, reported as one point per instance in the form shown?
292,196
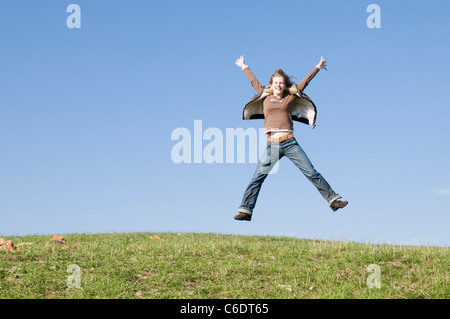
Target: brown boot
335,205
243,216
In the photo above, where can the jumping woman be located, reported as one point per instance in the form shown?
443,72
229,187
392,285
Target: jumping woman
279,104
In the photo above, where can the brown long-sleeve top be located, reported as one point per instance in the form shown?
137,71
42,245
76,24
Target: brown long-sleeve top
278,112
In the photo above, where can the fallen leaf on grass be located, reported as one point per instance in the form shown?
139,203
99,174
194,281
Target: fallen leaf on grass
58,239
8,245
155,238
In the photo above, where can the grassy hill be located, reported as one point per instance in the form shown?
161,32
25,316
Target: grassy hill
190,265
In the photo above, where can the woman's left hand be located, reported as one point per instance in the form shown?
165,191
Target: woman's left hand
322,64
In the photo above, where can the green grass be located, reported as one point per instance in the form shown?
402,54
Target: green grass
190,265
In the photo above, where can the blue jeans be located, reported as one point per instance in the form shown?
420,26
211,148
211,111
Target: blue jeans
274,152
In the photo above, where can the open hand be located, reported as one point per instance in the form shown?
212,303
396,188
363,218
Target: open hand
322,64
240,62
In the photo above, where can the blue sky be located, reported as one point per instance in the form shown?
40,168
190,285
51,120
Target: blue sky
86,117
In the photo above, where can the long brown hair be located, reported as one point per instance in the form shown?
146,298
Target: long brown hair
291,88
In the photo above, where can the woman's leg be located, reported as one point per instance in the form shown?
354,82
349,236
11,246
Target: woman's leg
295,153
268,159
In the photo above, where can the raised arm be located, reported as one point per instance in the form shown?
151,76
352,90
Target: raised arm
321,65
255,83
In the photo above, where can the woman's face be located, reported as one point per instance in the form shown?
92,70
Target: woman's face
278,85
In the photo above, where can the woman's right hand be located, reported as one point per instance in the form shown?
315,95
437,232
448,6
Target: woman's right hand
240,62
